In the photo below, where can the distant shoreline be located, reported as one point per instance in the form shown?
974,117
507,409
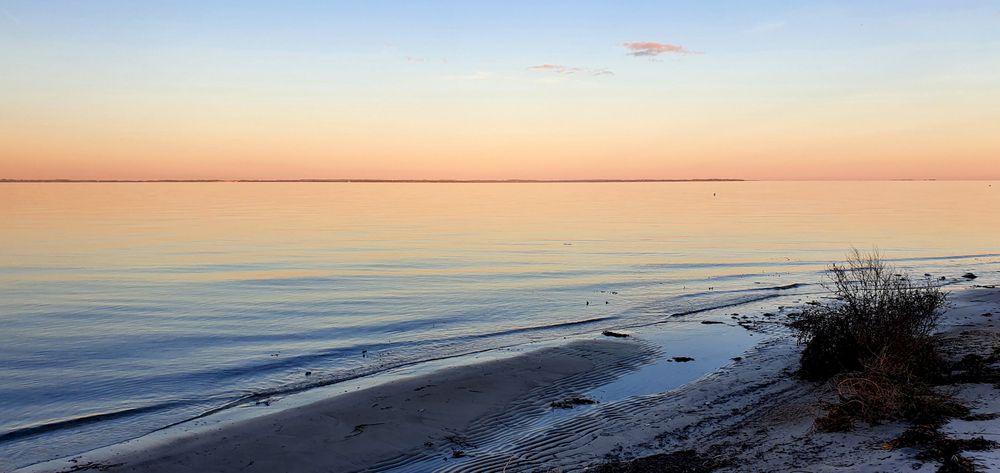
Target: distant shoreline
429,181
415,181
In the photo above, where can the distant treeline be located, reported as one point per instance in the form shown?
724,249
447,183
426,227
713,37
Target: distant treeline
455,181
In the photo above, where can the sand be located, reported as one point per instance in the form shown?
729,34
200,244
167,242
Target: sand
390,425
757,415
752,412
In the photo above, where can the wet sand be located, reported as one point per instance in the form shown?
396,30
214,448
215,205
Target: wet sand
390,425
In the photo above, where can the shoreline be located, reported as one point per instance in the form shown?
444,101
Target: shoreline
379,422
715,411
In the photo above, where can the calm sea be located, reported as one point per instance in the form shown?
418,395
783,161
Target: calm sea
127,307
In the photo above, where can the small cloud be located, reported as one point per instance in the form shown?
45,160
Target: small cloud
568,70
652,48
556,68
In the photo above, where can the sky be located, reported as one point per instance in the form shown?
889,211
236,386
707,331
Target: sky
499,89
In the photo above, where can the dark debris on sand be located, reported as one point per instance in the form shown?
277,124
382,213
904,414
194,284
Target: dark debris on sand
91,466
933,445
683,461
572,402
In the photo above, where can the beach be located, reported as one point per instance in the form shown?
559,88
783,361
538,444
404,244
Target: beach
752,414
499,236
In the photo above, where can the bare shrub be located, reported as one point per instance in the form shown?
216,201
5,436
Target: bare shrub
887,388
878,313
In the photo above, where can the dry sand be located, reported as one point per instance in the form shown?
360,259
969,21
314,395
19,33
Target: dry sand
752,412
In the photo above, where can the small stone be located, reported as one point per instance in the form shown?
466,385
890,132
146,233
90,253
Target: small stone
609,333
571,402
969,276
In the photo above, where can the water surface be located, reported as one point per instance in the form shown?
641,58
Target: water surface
126,307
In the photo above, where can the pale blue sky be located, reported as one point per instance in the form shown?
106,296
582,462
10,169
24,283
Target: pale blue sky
72,66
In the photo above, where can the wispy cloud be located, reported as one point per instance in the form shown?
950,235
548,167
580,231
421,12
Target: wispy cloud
652,48
558,69
568,70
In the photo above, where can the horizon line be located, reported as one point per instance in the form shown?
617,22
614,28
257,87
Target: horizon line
445,181
344,180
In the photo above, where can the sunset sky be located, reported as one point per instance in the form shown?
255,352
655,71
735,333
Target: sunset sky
499,90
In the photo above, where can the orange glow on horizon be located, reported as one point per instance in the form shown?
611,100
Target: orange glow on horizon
444,147
212,100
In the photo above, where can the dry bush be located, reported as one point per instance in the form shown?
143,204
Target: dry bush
886,389
878,313
881,387
874,345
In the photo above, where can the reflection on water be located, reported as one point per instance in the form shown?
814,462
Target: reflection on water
125,307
